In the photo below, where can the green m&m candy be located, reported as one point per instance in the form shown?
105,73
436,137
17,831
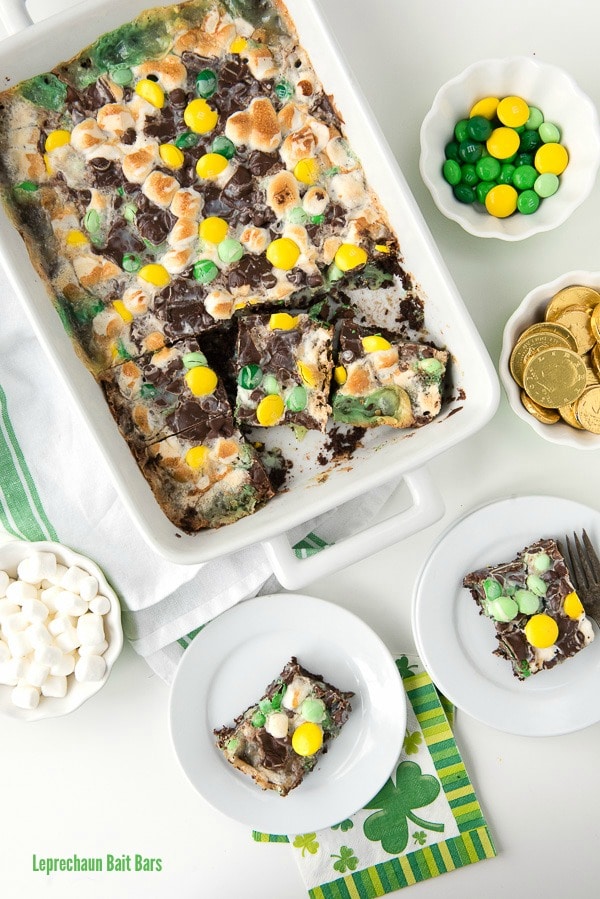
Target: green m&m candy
297,399
451,172
230,250
223,146
205,271
250,376
206,83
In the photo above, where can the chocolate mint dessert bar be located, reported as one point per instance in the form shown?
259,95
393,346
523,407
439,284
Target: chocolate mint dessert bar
279,740
284,370
380,382
538,616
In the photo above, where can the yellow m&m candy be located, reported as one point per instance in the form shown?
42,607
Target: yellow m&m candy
551,158
307,170
270,410
501,200
199,116
213,229
307,738
197,456
513,111
171,155
210,166
485,107
283,253
503,142
201,380
349,256
572,605
151,92
155,274
373,343
282,321
541,631
57,139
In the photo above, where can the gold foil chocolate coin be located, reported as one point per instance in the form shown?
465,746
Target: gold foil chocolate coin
554,377
577,320
551,328
595,322
546,416
588,410
567,413
527,346
577,295
595,359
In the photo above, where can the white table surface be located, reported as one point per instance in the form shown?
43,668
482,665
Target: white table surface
105,778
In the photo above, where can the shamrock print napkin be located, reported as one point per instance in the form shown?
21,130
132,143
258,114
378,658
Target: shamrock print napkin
424,821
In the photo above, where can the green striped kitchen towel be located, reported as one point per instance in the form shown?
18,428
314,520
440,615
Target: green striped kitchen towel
426,819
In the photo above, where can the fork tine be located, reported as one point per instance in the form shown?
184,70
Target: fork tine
575,568
592,556
583,560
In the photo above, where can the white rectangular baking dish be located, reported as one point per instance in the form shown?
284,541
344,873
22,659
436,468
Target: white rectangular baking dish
313,490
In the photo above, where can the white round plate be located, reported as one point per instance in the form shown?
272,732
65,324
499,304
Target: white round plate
227,668
456,643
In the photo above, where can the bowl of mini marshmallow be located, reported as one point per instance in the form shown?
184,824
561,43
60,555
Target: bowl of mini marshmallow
60,630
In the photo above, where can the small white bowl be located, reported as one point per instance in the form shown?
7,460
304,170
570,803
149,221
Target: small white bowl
560,100
529,311
77,693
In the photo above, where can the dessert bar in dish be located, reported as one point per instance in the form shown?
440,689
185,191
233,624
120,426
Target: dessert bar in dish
539,618
186,182
279,739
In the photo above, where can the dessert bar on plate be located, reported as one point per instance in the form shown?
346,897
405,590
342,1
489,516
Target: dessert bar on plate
279,739
539,618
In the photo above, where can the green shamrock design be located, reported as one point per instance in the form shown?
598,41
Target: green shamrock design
412,742
404,667
394,803
346,860
345,825
420,837
307,842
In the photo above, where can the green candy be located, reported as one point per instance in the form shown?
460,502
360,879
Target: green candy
524,177
536,117
431,367
549,133
250,376
91,221
277,699
546,185
283,89
464,193
148,391
205,271
536,585
187,140
317,219
258,719
270,385
541,562
233,744
460,130
191,360
470,150
46,91
131,262
528,202
506,173
129,212
451,150
527,602
530,141
265,706
230,250
313,710
487,168
492,588
482,190
479,128
121,75
469,175
223,146
27,186
297,216
206,83
451,172
297,399
503,609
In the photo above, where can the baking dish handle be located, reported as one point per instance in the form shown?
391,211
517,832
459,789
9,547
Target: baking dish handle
15,16
426,508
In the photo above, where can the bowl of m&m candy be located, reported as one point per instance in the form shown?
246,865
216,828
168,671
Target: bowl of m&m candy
510,148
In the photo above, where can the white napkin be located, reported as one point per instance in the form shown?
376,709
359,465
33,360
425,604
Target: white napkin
54,484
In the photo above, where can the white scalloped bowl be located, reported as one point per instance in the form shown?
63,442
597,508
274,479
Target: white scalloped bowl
529,311
77,693
560,99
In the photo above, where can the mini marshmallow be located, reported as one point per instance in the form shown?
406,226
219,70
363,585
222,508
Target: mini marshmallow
7,608
15,623
93,649
47,655
55,686
64,666
68,640
38,635
58,575
7,674
35,610
49,594
60,624
90,629
4,652
38,566
73,578
70,603
19,591
100,605
36,674
88,588
25,697
19,644
4,582
90,668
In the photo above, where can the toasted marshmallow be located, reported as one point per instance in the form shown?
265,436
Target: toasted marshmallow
212,38
341,155
219,304
160,188
257,126
348,189
138,164
260,62
291,118
108,324
92,270
115,119
315,201
136,300
176,261
87,136
254,240
183,234
187,203
282,193
170,70
330,247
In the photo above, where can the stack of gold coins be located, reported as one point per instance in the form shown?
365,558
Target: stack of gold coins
556,362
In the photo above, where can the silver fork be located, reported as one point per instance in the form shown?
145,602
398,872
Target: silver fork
584,566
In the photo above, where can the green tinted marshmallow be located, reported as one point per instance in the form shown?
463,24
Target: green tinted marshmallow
503,609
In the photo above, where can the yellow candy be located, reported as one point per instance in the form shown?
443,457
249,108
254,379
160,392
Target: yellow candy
151,92
56,139
283,253
48,165
213,229
501,200
503,142
541,631
210,166
307,170
282,321
155,274
349,256
513,111
201,380
373,343
75,238
485,107
199,116
197,456
382,248
238,44
308,374
340,375
307,738
551,158
270,410
123,311
572,606
171,155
